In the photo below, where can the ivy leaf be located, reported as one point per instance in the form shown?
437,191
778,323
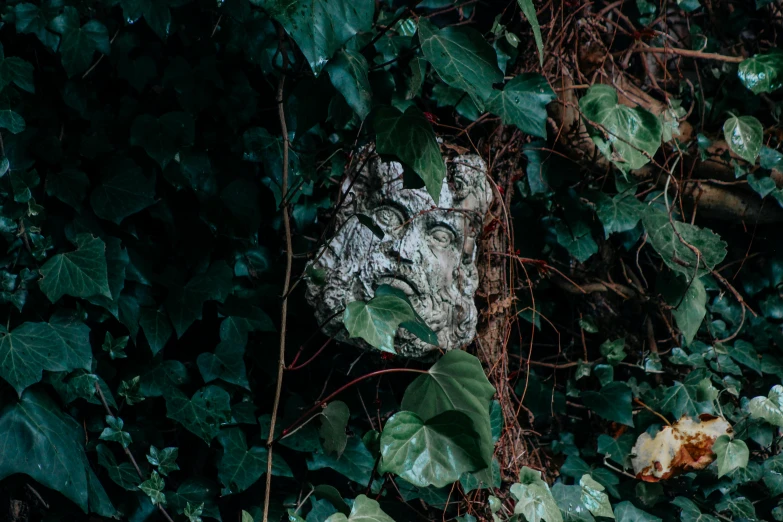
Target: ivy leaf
156,13
79,43
409,137
203,413
334,420
115,347
23,183
153,488
114,431
534,499
677,255
744,353
14,70
164,375
124,191
618,449
731,454
195,491
627,512
431,453
26,351
156,327
194,512
744,134
240,467
612,402
363,510
69,186
690,302
30,19
377,320
35,426
356,462
627,136
569,500
768,408
184,304
762,73
456,382
321,27
620,213
165,460
614,351
685,399
594,498
163,138
122,474
522,102
81,273
348,72
462,58
691,512
227,363
130,390
529,10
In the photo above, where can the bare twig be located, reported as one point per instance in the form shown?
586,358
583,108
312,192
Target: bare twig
689,53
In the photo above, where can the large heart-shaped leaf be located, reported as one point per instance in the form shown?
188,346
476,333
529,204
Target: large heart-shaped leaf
61,345
431,453
762,73
334,420
81,273
321,27
612,402
410,138
522,102
46,445
363,510
534,499
203,413
227,363
456,382
626,136
156,327
462,58
745,136
79,43
348,72
14,70
731,454
768,408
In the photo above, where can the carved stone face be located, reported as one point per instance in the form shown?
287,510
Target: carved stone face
427,252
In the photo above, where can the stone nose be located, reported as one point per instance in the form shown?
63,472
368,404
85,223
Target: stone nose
405,248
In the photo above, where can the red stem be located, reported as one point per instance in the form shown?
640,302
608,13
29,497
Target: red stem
308,361
339,390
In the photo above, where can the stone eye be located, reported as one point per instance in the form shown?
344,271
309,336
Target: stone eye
441,237
388,217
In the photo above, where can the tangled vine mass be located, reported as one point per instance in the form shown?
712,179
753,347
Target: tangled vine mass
172,171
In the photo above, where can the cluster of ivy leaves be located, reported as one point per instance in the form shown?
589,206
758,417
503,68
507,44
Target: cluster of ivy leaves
141,177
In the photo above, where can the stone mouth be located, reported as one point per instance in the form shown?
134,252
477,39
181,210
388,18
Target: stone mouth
400,283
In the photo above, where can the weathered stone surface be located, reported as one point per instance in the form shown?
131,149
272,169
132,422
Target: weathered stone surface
428,252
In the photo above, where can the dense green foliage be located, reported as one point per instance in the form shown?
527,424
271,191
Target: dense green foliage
145,195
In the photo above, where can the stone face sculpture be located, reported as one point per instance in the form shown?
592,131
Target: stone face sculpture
428,252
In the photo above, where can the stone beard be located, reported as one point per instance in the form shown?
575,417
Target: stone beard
430,254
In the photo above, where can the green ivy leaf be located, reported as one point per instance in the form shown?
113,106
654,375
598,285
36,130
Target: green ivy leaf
122,474
744,353
691,512
377,320
614,351
153,488
456,382
184,304
164,375
627,512
69,186
124,191
690,302
227,363
363,510
744,134
203,413
30,19
165,460
462,58
686,399
356,462
81,273
768,408
115,347
522,102
194,512
130,390
14,70
156,13
240,467
763,72
348,72
529,10
612,402
431,453
534,499
618,449
731,454
61,345
23,183
163,138
677,255
594,498
114,431
620,213
35,426
156,327
195,491
321,27
627,136
79,43
334,420
569,500
409,137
